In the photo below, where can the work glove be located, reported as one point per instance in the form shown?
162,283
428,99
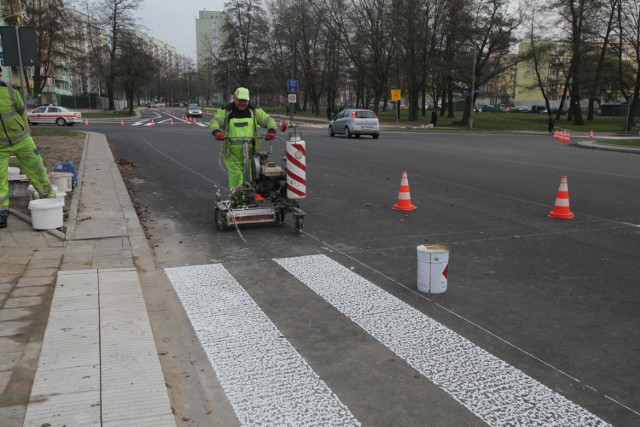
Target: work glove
218,134
283,126
271,133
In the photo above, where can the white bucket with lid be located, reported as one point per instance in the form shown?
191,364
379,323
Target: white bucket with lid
433,268
63,180
46,214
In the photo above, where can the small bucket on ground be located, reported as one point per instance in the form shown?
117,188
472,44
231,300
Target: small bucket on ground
67,167
433,268
46,214
62,180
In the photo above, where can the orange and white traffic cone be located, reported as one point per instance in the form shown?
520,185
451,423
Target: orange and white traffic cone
591,135
404,196
86,122
170,122
153,123
121,122
561,208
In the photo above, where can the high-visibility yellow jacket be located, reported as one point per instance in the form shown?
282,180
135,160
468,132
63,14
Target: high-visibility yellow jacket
236,124
13,116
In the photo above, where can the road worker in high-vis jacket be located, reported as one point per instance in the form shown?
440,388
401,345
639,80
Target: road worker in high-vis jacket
16,141
239,120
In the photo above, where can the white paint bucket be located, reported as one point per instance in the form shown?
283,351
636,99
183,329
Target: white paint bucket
62,179
46,213
433,268
14,170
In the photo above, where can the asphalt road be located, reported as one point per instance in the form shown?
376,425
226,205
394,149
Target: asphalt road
556,299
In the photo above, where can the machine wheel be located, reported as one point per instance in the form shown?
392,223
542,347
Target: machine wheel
221,220
60,121
299,223
331,132
376,135
347,132
357,135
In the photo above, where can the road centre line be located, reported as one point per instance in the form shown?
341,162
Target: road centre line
265,379
495,391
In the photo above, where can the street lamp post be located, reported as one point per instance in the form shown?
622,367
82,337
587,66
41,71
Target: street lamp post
473,70
24,98
473,86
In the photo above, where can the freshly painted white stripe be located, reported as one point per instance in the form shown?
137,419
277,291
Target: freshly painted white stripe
495,391
267,382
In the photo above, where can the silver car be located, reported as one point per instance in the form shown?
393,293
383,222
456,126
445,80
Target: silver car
193,110
355,122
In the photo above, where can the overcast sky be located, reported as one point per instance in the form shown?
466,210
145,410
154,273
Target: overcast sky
174,21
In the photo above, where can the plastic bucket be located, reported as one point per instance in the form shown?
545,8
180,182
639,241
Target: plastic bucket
433,263
67,167
14,170
62,180
46,213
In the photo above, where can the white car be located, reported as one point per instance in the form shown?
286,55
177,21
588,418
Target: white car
52,114
355,122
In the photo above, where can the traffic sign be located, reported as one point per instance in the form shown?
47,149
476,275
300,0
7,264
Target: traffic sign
396,95
292,86
292,98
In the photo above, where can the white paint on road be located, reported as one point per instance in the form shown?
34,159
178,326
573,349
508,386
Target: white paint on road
495,391
266,381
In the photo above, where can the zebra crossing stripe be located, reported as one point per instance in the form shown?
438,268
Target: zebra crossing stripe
495,391
265,379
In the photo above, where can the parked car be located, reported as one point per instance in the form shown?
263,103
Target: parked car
51,114
355,122
521,109
193,110
540,109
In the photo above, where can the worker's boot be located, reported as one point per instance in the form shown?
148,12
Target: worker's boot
4,214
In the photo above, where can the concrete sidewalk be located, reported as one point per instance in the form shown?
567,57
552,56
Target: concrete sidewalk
75,336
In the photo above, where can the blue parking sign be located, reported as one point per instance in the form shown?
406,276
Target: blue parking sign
292,86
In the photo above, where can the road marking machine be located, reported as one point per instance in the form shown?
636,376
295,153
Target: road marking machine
269,191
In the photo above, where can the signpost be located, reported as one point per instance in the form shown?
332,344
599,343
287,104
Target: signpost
292,92
396,96
20,49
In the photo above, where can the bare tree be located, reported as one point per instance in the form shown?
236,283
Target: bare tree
48,17
113,18
608,16
367,37
135,66
539,51
629,28
245,42
490,37
578,17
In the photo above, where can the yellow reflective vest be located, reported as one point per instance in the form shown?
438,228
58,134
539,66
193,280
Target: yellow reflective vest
13,116
236,124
